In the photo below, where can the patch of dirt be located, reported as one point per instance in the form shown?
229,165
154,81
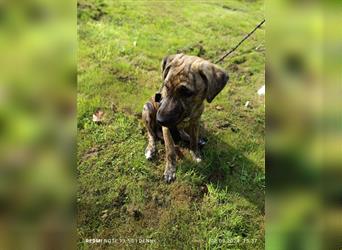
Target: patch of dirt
185,195
151,214
181,194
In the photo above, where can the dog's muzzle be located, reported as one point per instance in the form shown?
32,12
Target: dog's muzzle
169,113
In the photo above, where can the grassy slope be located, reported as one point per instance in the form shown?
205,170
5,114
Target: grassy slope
121,195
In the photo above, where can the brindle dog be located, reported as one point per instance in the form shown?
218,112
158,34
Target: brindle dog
187,82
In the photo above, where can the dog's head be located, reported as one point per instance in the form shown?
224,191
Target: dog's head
188,81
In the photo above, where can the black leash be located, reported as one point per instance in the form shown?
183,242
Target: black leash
233,49
158,94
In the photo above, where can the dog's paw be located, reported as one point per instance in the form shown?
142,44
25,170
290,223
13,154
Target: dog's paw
196,157
149,153
202,142
169,175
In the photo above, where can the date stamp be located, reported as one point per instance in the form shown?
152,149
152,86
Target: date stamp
230,241
235,241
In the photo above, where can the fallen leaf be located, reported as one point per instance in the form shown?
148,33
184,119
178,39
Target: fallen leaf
98,116
219,108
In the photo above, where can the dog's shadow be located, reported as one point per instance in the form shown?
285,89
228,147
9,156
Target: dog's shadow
226,168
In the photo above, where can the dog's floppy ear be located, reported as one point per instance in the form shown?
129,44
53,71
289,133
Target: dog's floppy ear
214,77
165,65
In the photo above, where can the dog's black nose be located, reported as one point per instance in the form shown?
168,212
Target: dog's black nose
167,120
169,112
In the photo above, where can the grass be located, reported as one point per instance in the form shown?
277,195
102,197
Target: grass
217,204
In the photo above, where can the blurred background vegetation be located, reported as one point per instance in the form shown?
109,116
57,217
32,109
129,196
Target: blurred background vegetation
304,146
38,124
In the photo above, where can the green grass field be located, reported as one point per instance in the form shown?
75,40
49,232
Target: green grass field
217,204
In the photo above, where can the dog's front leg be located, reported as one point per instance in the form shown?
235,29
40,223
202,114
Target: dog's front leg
194,131
170,169
149,119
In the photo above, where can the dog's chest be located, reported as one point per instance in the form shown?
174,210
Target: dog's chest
184,124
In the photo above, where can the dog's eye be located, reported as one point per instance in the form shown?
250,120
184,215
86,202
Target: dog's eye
184,91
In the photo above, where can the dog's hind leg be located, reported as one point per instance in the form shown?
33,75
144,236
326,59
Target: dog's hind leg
194,133
184,135
148,117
